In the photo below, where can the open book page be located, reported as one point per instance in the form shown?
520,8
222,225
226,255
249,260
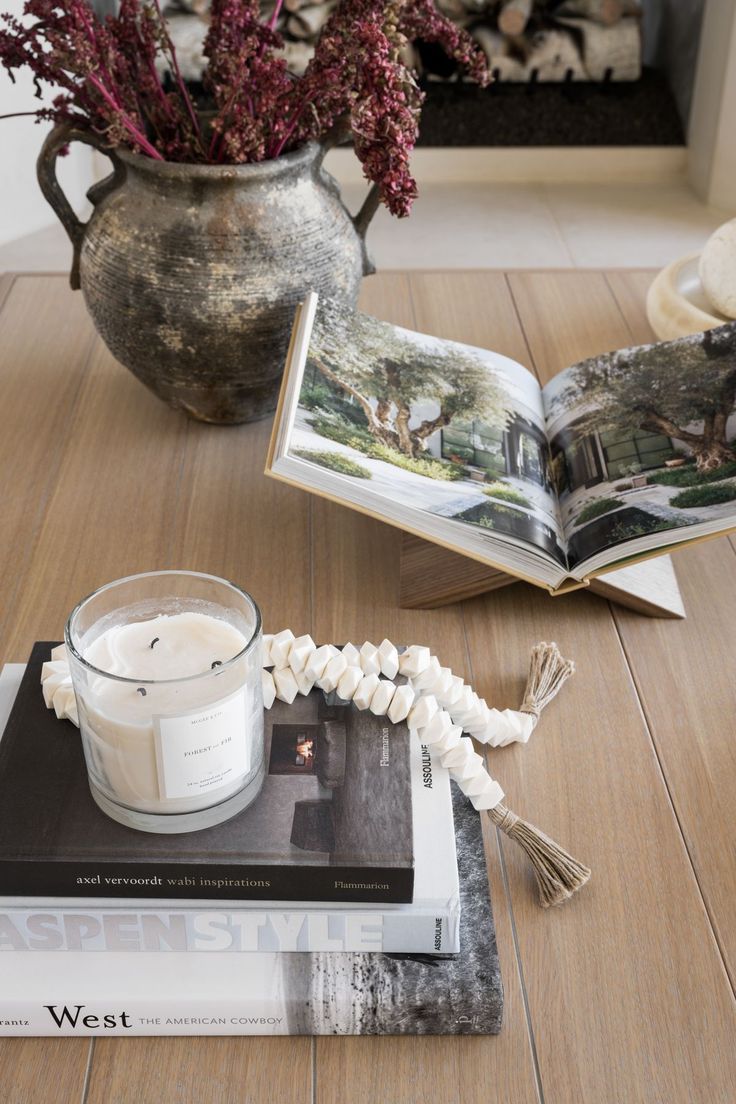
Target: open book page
412,426
643,449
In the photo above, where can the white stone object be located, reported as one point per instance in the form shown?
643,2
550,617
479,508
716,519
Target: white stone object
506,727
718,269
300,651
315,666
449,740
60,652
439,724
332,673
366,689
350,680
268,687
287,687
352,655
305,684
280,648
382,697
429,677
389,658
453,692
422,712
266,641
479,719
459,755
401,703
370,660
464,704
489,796
414,660
468,769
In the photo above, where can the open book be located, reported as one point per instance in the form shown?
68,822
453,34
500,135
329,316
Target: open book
622,456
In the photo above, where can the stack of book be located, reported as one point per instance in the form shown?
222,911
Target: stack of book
350,898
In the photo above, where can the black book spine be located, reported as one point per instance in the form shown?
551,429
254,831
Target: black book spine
253,882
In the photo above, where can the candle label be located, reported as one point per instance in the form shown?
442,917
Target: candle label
203,750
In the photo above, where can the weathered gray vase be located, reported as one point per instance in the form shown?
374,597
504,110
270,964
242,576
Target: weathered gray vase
191,273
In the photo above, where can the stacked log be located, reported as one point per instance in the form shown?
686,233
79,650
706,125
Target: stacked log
524,40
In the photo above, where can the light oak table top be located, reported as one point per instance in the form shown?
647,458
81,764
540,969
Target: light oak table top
624,995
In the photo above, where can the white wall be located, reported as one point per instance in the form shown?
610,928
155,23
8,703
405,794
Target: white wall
22,207
712,134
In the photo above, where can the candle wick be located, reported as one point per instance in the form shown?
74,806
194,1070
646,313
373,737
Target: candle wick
142,691
155,641
217,663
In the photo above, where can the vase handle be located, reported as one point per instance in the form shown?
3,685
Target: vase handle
362,221
60,137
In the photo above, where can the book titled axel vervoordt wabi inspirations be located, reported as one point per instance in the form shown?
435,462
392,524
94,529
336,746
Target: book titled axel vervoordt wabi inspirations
333,821
625,455
429,924
267,993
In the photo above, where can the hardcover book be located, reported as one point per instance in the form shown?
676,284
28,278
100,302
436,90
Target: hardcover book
333,821
429,924
266,993
624,456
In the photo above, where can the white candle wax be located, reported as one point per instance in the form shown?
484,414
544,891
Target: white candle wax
160,742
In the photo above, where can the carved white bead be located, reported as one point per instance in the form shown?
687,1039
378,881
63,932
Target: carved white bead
315,666
350,680
422,712
439,724
266,642
286,685
489,797
352,655
280,648
507,727
332,673
449,740
304,682
465,702
429,677
479,721
389,659
60,653
414,660
476,785
401,703
370,660
366,689
52,682
63,698
381,699
269,689
469,769
456,757
453,692
300,651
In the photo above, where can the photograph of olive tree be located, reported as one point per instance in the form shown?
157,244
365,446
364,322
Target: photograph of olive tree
443,427
643,440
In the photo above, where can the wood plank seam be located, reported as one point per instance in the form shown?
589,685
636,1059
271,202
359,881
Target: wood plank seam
495,832
648,724
88,1072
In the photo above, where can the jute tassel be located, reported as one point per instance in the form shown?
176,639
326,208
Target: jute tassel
548,671
558,874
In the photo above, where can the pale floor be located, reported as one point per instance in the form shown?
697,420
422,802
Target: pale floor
498,226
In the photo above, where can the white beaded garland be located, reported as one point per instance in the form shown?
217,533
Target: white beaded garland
352,655
350,679
287,687
401,703
332,673
382,696
268,687
388,654
299,652
370,660
414,660
320,657
422,711
280,647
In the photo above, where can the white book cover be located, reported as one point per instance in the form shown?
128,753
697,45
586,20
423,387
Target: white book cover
429,925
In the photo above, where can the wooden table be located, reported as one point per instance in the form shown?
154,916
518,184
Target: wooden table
623,995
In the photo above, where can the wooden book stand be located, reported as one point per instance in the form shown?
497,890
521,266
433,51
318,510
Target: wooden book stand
432,576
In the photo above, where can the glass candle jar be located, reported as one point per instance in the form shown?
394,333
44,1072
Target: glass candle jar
166,668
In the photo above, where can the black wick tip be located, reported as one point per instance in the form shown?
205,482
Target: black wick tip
142,691
154,641
216,663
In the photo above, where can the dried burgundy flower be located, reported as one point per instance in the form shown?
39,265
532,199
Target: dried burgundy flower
108,76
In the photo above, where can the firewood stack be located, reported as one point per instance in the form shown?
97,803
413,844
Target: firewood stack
524,40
